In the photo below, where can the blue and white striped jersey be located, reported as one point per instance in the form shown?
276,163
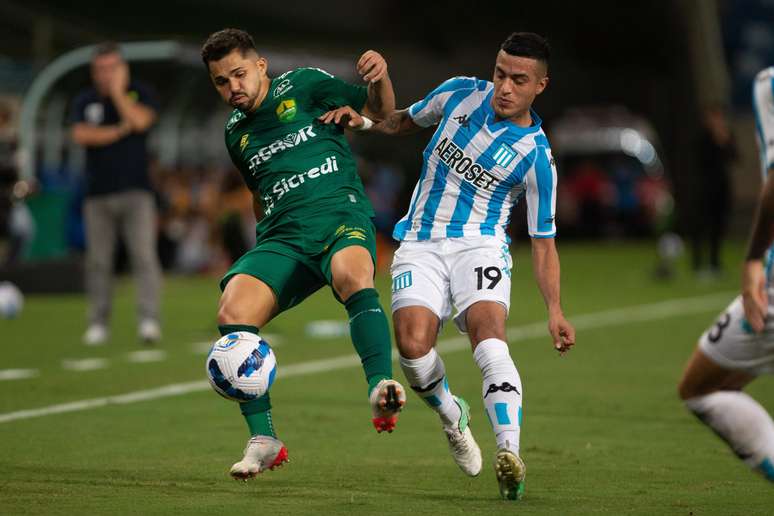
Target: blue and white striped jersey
476,168
763,106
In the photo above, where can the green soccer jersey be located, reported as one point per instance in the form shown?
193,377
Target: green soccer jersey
296,165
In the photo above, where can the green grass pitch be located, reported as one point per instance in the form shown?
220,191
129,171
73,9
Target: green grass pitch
603,430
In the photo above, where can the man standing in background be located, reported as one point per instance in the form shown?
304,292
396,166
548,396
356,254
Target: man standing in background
111,120
716,151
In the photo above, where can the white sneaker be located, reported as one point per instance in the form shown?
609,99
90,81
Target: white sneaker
510,471
149,331
462,445
387,399
262,453
96,335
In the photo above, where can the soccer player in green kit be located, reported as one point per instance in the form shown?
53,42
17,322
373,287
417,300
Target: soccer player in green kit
316,228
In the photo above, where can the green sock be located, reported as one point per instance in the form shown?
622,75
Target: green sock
370,335
225,329
257,413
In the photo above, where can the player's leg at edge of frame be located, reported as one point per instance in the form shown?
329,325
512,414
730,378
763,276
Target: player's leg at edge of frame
714,395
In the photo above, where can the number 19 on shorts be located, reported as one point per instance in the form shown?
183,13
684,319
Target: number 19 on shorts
487,277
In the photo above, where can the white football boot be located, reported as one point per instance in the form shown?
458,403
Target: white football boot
262,453
387,399
149,331
96,335
510,471
462,445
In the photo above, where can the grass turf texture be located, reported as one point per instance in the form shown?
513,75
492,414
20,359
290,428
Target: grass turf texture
603,430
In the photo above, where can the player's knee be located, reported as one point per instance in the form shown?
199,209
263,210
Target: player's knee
486,321
413,340
352,281
481,334
685,390
229,313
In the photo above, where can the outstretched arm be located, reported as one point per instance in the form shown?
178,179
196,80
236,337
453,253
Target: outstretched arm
396,123
545,262
754,296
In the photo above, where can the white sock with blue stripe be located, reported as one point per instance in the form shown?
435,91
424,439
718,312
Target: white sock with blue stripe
743,423
427,377
501,391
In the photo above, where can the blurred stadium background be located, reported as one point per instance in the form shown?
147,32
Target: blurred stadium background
629,81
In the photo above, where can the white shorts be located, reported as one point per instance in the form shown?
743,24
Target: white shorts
763,106
731,343
455,271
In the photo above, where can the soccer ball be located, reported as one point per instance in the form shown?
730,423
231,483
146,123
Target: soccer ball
11,300
241,366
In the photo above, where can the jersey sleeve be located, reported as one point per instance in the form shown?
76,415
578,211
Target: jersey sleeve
541,195
429,111
763,107
332,92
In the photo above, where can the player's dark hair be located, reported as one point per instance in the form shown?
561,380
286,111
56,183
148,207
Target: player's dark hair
105,48
527,44
223,42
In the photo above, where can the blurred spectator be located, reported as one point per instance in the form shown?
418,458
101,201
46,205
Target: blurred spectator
17,227
111,119
591,188
383,187
236,215
626,174
7,177
716,151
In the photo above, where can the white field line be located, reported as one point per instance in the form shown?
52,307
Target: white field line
18,374
85,364
143,356
616,317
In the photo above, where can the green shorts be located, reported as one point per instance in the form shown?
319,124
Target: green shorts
295,260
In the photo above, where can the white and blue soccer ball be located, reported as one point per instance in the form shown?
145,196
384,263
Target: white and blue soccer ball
11,300
241,366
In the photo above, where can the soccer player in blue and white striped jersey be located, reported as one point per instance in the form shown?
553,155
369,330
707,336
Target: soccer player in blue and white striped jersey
488,150
739,346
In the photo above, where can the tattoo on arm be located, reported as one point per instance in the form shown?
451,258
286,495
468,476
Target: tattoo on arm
397,122
393,121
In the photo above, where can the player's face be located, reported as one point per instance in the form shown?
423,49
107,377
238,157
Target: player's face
239,79
517,81
103,69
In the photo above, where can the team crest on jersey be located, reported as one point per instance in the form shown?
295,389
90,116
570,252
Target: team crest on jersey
504,155
243,142
286,111
401,281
